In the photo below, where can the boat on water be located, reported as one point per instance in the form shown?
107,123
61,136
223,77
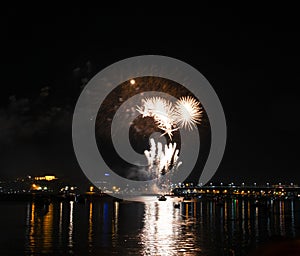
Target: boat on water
258,203
177,205
162,198
187,198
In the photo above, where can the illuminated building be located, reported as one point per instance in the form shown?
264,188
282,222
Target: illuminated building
46,177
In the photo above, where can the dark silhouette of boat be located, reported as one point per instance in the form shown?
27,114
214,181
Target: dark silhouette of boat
187,198
177,205
81,199
258,203
162,198
42,204
42,201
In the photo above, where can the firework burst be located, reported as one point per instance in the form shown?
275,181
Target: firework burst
188,112
162,111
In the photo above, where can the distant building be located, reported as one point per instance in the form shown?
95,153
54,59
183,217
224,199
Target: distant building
46,183
46,177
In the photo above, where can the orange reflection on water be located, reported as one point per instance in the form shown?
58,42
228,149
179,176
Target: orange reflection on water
48,228
40,227
90,228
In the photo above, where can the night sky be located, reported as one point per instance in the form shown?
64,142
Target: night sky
254,68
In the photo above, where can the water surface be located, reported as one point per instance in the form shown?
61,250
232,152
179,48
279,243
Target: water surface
149,228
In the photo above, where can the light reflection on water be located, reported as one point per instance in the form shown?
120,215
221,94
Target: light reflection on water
40,228
162,226
150,228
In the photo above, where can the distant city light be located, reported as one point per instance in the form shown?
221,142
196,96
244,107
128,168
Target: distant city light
36,187
41,183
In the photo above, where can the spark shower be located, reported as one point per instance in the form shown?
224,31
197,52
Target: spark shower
185,114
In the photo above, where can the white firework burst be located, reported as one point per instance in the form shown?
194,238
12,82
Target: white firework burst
188,112
162,111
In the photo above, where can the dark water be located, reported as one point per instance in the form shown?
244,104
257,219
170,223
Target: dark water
150,228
